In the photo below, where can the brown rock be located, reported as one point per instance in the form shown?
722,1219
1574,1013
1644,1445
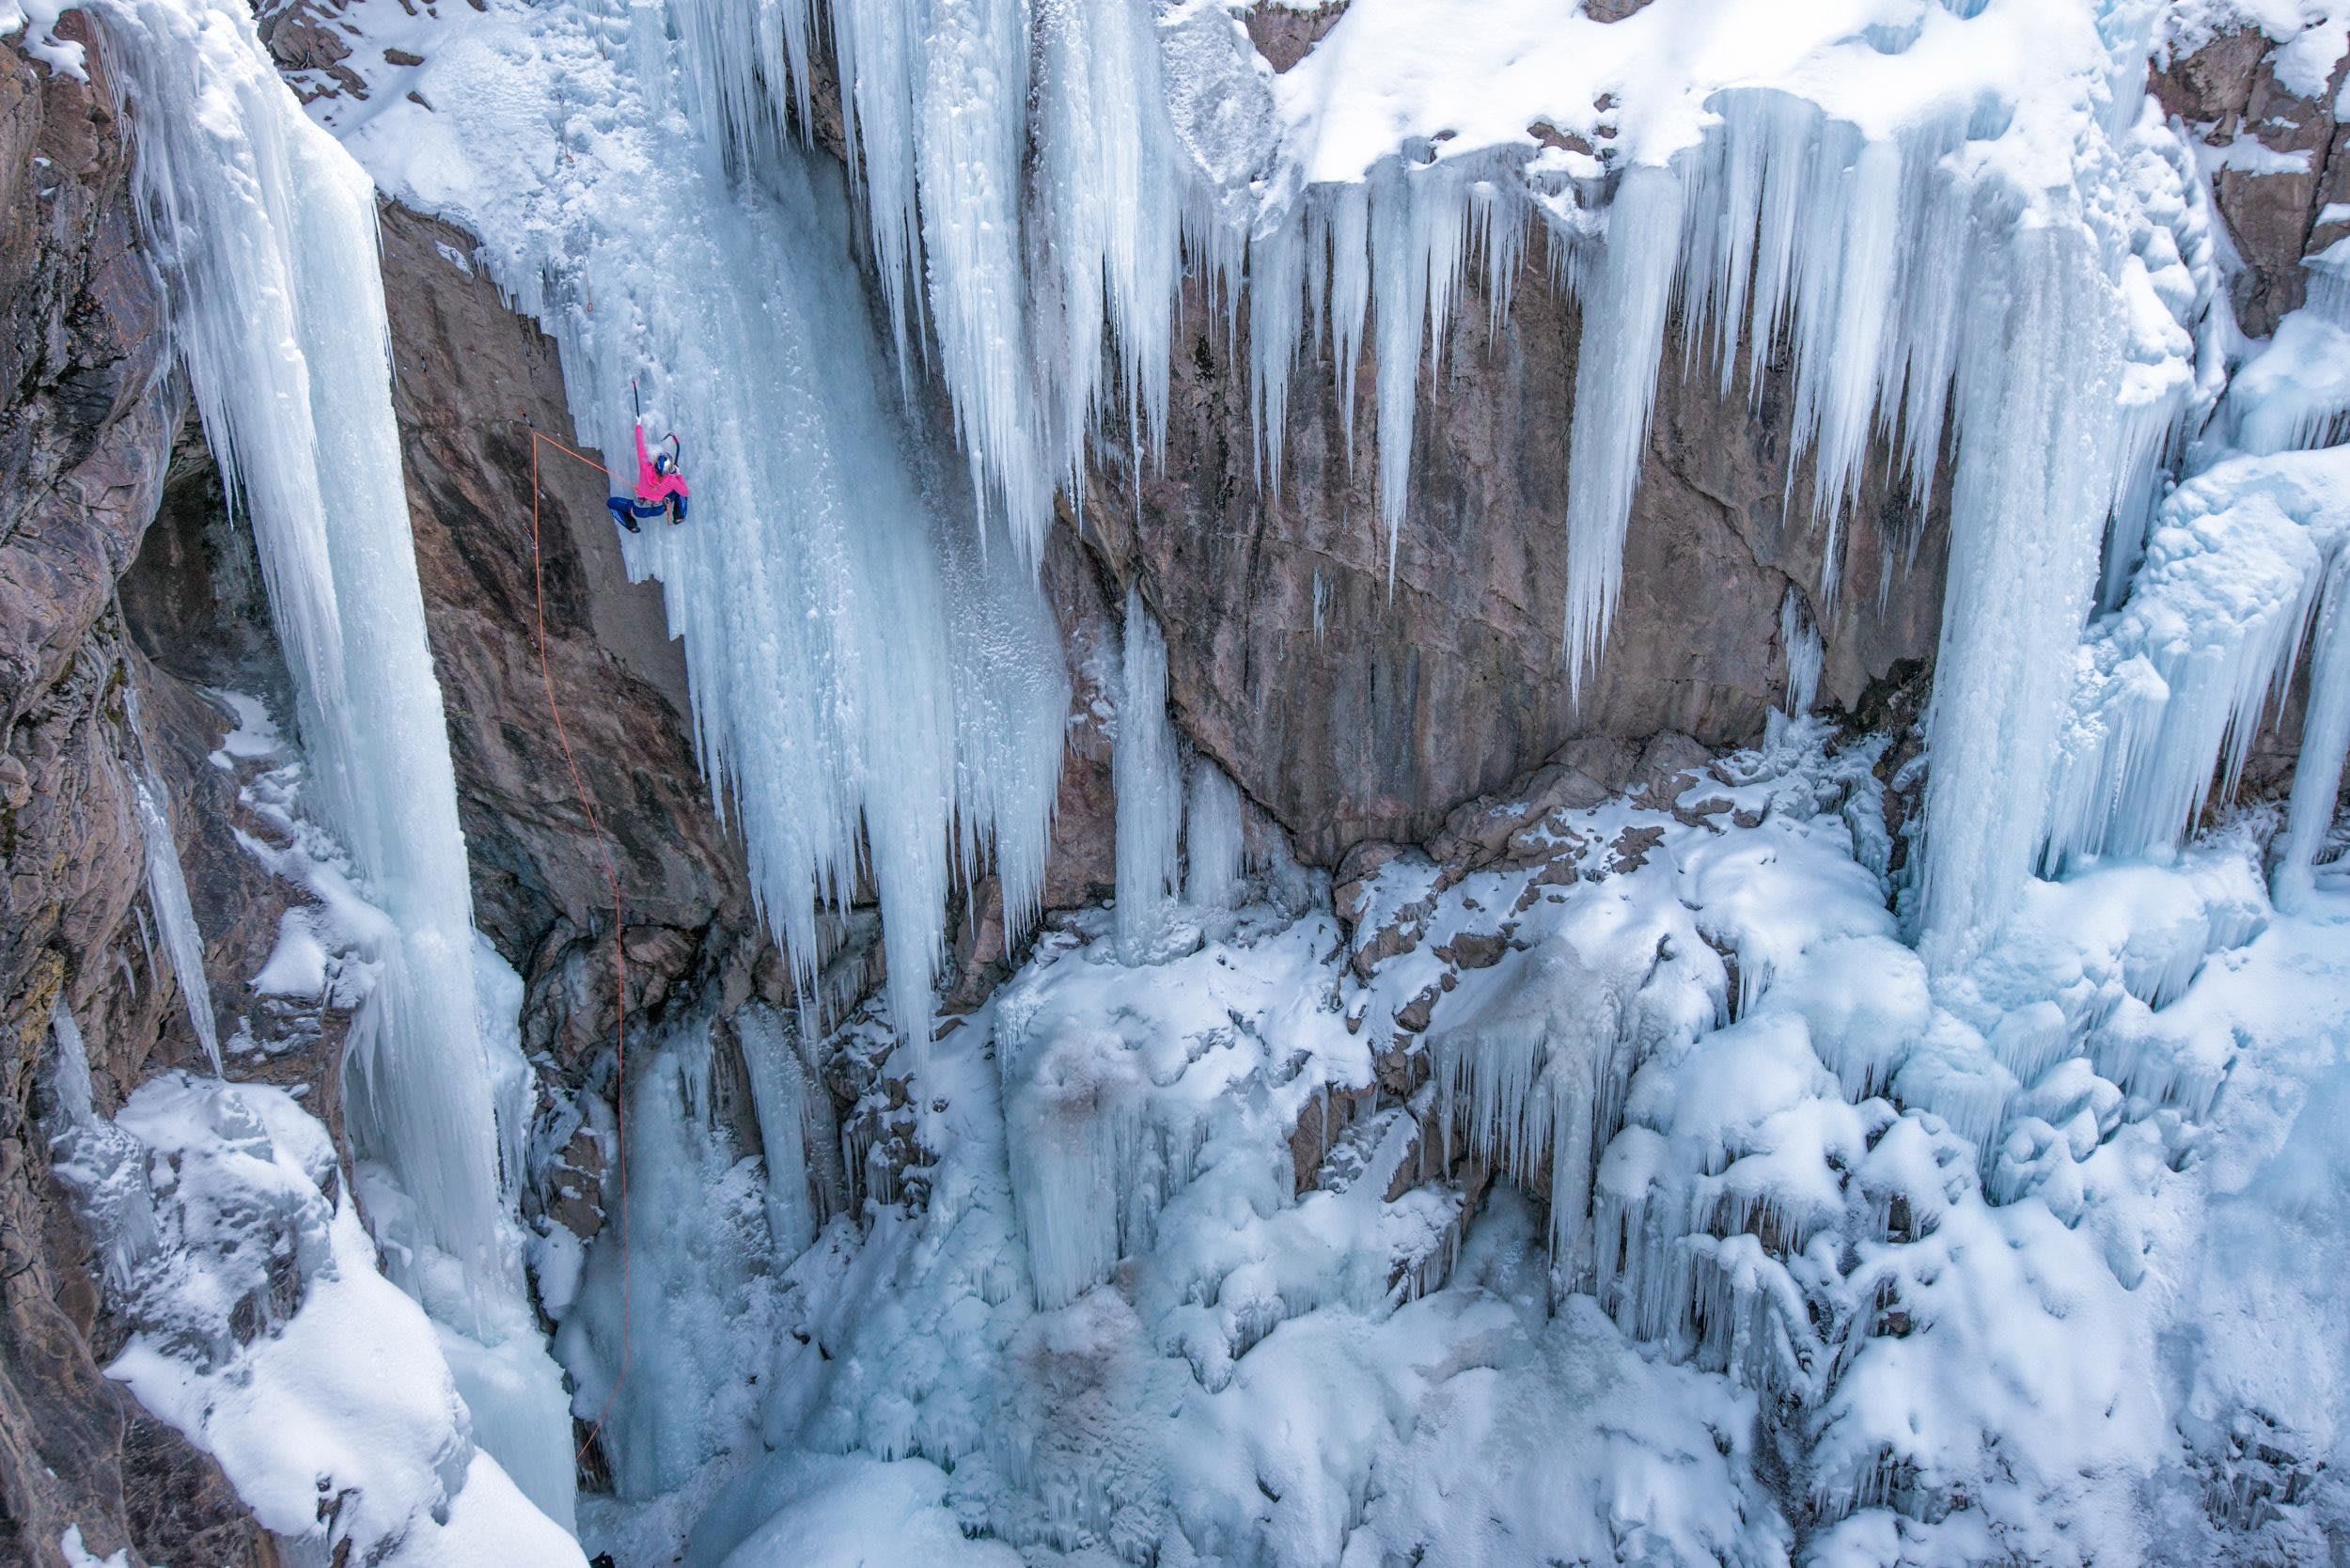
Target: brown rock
2228,94
1411,701
1082,866
1286,34
475,381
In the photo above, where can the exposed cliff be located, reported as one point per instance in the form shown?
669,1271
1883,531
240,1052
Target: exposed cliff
1353,710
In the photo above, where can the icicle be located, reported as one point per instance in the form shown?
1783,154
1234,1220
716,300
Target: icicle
1350,295
269,229
1417,229
969,137
1212,839
168,889
1149,786
1105,207
780,1092
1799,642
1276,301
2324,738
1615,393
167,895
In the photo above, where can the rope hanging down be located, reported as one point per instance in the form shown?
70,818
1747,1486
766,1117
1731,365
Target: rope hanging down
620,962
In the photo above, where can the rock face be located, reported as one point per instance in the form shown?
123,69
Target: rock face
1285,33
1371,718
87,425
2281,164
474,382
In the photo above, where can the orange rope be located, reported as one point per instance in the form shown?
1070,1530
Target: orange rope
620,961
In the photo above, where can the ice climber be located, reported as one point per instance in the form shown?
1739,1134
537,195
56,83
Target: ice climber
658,485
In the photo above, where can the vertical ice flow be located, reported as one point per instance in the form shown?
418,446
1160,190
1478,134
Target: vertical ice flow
2324,738
266,229
1149,783
877,701
1212,839
1615,392
168,887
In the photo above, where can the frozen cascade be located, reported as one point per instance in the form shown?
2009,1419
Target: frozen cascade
2324,739
875,684
167,890
2037,471
2171,688
1149,780
1800,644
1212,846
1826,225
267,229
1537,1077
676,1309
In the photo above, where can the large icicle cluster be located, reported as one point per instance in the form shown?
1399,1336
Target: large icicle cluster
877,695
1805,184
266,229
2173,685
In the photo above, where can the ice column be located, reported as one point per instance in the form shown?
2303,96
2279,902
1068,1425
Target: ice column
2324,738
1150,784
168,893
2037,400
1799,641
267,231
1615,393
1212,839
780,1092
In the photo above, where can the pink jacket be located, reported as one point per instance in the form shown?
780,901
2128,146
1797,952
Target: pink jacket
652,486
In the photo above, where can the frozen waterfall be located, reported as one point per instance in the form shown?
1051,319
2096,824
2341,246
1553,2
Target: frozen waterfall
876,690
1822,218
267,229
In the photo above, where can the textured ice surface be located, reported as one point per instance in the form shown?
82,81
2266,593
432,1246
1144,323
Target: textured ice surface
875,685
267,229
1757,1217
1649,1198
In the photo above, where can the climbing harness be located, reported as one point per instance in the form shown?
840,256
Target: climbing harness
620,959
